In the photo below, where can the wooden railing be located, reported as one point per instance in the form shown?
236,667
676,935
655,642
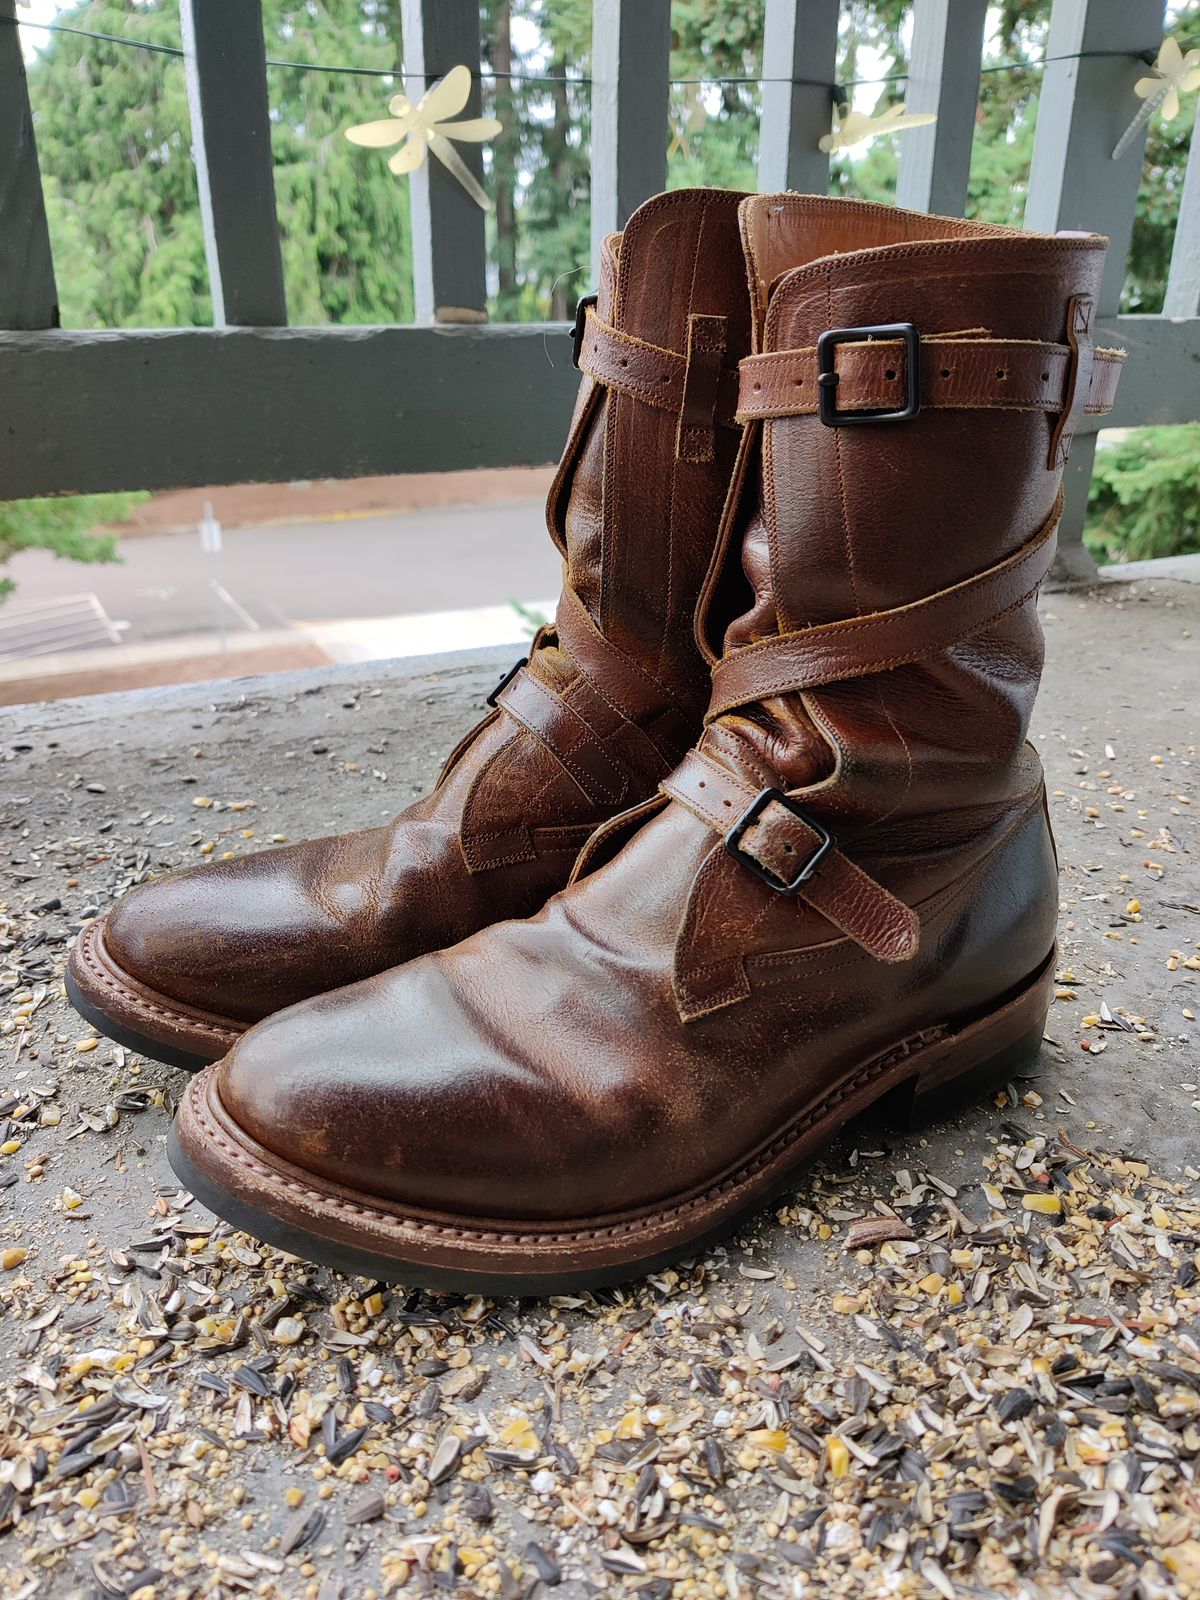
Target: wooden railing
252,399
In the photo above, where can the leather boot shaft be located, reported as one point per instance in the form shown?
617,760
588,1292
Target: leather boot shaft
842,522
653,439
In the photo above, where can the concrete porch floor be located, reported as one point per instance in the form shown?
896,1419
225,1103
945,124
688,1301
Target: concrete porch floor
1000,1399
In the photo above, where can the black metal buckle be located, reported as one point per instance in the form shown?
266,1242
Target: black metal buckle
751,815
827,376
506,680
581,311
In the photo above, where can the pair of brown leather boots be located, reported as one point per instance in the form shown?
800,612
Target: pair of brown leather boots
773,747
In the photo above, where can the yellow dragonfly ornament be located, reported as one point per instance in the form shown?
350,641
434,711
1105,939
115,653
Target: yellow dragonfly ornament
853,128
424,126
1173,74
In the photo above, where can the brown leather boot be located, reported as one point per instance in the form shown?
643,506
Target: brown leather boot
608,702
847,891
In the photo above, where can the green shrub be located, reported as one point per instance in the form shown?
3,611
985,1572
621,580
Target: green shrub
63,526
1145,495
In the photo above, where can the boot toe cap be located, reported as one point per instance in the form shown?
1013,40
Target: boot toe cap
386,1107
240,939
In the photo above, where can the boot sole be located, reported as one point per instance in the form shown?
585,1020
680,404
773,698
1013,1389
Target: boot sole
923,1078
133,1015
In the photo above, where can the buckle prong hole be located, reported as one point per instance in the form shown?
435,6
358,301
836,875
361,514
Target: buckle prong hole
945,372
890,374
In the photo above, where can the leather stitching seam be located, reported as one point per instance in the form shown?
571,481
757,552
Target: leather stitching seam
146,1008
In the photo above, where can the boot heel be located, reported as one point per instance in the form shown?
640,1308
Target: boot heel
915,1104
972,1063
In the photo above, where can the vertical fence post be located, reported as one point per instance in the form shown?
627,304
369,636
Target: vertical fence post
943,77
225,66
1087,102
1183,282
449,242
799,43
28,296
631,63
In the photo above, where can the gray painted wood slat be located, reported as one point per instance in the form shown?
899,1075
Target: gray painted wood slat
175,407
631,61
118,410
943,77
1085,106
28,295
1183,283
448,228
225,65
799,42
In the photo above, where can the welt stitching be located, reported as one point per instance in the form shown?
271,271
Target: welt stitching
147,1008
876,1068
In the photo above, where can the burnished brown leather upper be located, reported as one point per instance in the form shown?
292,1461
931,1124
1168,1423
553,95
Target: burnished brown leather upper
611,698
870,619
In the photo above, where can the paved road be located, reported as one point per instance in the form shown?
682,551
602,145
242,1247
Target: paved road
387,565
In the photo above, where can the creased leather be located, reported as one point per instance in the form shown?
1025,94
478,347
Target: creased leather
782,843
833,652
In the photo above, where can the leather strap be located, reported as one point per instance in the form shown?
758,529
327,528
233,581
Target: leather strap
971,374
660,377
695,438
544,712
835,651
1081,373
781,842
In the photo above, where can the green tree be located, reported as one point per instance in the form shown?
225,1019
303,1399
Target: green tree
539,166
1145,496
115,146
64,527
112,126
715,39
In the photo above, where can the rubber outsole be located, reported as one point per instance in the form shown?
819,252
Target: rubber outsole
132,1014
915,1083
361,1263
169,1055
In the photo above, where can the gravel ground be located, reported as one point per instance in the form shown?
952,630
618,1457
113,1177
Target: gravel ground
964,1361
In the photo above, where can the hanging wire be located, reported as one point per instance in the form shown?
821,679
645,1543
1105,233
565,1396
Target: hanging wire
837,90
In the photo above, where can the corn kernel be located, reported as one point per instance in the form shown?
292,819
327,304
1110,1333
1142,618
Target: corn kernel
839,1458
768,1439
